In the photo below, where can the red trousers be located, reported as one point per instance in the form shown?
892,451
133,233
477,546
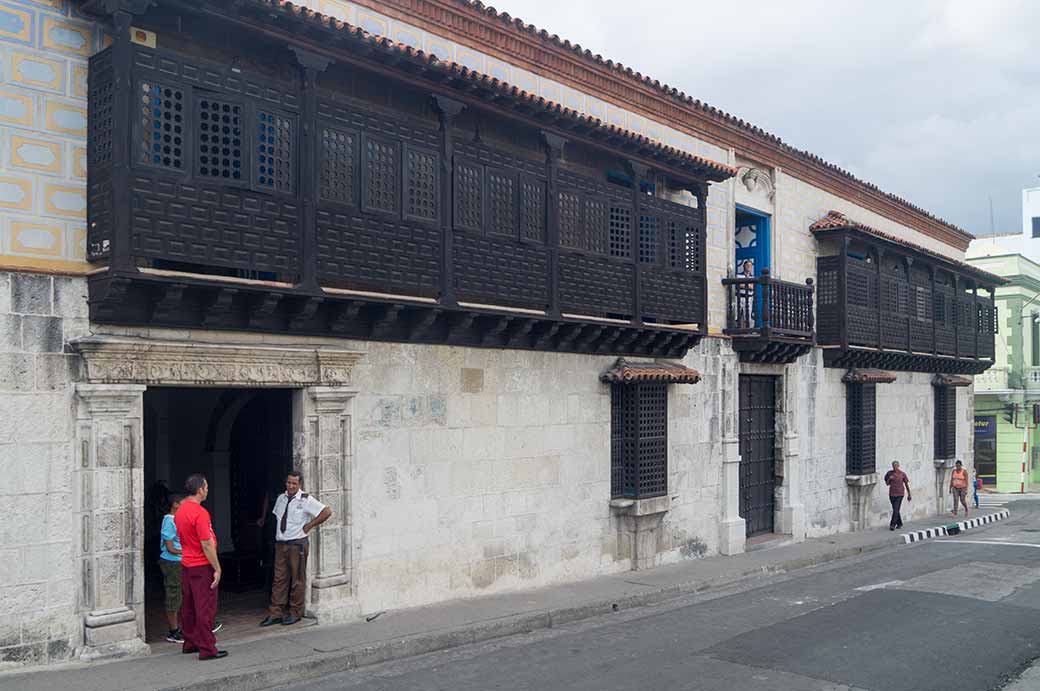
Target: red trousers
198,610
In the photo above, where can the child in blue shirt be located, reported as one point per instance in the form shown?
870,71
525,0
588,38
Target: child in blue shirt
170,565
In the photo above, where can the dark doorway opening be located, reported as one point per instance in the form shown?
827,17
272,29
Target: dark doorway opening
241,439
757,453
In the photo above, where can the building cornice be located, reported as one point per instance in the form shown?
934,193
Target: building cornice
524,46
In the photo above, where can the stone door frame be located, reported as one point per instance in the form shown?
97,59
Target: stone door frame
109,471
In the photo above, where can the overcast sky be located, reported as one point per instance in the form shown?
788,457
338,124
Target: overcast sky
937,102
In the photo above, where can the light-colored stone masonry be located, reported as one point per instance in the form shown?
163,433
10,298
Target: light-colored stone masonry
474,470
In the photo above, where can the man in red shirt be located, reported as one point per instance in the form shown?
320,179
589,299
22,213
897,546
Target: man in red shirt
200,571
898,487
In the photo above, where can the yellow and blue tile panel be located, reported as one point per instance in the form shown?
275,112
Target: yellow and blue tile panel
44,47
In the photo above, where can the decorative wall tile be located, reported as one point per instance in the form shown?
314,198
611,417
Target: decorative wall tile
67,37
574,99
16,24
79,80
615,116
337,8
469,58
36,71
36,154
17,108
50,4
16,193
525,80
551,91
65,118
499,70
443,49
77,243
46,240
596,108
65,200
373,22
79,162
409,37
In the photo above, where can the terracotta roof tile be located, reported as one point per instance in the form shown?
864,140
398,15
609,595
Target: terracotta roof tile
522,26
835,220
624,372
951,380
716,171
868,376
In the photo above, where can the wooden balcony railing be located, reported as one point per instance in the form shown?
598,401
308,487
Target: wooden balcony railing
919,319
769,320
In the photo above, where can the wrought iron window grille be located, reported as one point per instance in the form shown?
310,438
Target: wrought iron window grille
639,440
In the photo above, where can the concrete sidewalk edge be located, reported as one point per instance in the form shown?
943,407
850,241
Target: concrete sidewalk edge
323,663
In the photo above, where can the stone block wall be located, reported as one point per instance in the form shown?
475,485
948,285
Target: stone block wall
38,572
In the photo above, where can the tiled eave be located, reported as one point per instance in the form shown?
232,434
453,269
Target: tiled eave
513,40
336,39
624,372
835,222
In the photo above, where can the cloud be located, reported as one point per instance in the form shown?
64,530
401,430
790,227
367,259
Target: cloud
935,101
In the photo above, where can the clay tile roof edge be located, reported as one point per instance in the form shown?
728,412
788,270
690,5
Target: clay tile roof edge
697,104
951,380
835,220
624,372
868,376
722,171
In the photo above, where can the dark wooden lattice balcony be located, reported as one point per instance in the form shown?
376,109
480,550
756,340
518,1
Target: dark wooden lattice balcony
885,303
239,181
769,320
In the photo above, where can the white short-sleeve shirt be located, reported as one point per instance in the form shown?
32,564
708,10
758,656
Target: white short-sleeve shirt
302,509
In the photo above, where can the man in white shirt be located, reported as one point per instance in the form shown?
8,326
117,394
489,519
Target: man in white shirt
296,514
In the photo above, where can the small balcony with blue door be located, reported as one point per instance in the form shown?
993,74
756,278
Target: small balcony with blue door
769,320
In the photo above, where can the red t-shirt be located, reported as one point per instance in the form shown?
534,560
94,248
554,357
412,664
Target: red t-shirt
193,526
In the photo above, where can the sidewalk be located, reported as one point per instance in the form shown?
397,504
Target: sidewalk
317,651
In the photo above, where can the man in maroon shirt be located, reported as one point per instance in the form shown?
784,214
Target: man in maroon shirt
200,571
898,486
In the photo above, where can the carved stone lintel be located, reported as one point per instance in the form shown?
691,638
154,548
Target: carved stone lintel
129,361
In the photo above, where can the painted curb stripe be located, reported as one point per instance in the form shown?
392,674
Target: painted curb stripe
928,533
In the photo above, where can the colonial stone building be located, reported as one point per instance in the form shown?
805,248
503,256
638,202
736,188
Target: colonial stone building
521,315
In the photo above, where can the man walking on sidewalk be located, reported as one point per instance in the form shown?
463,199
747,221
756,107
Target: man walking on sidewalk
200,571
297,513
898,487
959,488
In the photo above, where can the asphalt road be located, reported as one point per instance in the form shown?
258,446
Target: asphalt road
955,613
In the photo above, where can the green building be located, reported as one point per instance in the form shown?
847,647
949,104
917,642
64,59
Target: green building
1007,396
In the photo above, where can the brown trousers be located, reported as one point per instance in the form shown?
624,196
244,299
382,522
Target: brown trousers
290,579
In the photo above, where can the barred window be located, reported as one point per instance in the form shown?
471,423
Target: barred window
620,231
638,440
945,422
220,150
275,151
161,126
860,428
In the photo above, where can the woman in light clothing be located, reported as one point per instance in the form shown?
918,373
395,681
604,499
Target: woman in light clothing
959,488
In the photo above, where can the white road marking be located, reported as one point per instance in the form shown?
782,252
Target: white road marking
984,542
878,586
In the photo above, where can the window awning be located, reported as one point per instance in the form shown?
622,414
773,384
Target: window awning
950,380
868,376
624,372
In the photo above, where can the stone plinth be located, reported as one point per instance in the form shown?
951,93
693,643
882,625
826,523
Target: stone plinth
861,487
640,527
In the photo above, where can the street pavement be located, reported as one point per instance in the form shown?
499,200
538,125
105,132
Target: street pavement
951,613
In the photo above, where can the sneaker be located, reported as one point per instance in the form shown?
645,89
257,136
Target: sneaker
217,626
175,636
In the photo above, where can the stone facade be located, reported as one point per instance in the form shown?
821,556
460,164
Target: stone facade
451,471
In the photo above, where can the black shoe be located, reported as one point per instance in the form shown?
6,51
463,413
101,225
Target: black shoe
174,636
271,621
891,527
217,626
220,654
290,620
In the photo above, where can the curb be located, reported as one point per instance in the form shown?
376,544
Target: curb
326,662
954,528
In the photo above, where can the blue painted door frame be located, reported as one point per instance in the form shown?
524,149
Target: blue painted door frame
752,244
752,239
